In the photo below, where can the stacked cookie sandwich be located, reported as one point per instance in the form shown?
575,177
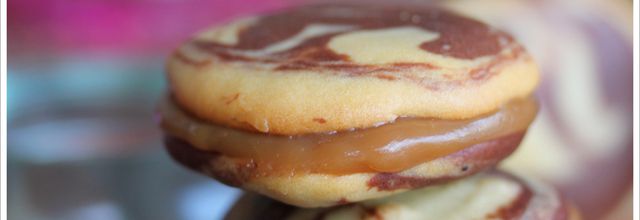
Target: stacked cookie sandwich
331,105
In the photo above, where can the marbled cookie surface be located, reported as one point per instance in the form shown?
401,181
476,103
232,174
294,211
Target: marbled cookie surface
325,68
492,195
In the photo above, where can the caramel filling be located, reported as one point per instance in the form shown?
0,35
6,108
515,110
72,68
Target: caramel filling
391,147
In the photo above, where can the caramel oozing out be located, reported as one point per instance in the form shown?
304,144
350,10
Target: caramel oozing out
391,147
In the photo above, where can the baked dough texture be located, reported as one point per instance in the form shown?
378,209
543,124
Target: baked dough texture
327,68
490,195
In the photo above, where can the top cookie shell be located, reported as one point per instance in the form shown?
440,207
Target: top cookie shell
326,68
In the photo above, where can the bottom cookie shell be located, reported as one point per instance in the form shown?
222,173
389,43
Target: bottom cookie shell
488,195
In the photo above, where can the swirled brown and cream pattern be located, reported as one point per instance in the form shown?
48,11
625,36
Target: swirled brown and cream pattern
329,68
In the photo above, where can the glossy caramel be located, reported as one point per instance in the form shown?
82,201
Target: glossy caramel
391,147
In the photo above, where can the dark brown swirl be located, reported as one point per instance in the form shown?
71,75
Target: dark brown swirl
459,37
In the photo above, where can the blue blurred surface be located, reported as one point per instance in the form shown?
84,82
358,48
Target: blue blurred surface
83,144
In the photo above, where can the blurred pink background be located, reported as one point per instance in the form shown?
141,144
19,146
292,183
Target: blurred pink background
121,26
